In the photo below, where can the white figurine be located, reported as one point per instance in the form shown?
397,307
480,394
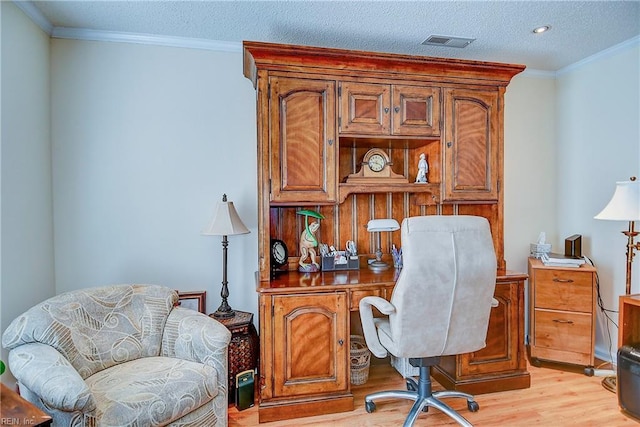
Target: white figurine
423,168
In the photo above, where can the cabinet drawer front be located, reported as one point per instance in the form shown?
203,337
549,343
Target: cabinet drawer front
563,331
564,290
356,296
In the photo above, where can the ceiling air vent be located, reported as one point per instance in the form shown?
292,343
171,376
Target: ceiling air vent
448,41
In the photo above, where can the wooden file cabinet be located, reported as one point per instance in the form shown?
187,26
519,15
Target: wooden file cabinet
562,313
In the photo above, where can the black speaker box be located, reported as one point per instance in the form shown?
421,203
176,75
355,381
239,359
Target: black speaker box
244,390
628,379
573,246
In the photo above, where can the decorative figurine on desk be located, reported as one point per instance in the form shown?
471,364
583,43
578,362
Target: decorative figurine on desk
423,168
308,242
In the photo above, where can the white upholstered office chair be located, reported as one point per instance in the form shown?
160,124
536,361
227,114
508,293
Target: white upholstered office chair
440,305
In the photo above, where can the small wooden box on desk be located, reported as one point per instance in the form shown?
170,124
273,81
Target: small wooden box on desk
562,303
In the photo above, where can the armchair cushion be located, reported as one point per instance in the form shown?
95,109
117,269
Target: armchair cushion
151,391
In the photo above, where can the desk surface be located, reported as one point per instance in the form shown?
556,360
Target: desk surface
344,279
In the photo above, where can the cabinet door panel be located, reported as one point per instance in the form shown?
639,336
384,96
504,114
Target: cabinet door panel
310,355
471,145
416,110
364,108
501,352
302,139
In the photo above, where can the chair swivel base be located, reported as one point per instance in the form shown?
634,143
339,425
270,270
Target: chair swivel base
420,392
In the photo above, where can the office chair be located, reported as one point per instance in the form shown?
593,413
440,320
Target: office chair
440,305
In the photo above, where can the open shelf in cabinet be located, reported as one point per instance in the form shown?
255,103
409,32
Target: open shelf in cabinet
404,154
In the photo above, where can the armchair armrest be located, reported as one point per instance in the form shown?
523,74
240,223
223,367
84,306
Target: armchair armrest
369,323
194,336
48,374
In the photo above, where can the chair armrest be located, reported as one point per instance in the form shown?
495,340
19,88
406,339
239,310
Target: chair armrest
48,374
369,324
194,336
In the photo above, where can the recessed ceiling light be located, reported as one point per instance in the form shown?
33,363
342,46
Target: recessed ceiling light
542,29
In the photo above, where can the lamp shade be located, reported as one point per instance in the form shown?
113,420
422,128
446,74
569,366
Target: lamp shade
226,221
382,225
625,203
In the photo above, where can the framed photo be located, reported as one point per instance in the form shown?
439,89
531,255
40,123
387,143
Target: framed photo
193,300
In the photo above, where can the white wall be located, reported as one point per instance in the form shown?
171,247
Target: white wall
598,137
26,227
146,139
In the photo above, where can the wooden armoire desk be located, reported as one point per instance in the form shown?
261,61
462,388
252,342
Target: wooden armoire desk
321,113
305,324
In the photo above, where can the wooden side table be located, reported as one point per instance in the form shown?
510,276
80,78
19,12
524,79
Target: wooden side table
243,348
14,410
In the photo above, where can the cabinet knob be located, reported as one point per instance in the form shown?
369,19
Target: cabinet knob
386,110
396,109
341,342
331,142
449,144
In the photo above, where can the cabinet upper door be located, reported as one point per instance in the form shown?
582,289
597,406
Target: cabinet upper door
302,140
310,354
416,110
382,109
365,108
471,145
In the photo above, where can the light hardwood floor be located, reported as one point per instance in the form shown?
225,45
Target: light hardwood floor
556,398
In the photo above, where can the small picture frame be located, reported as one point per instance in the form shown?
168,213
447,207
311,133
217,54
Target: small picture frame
193,300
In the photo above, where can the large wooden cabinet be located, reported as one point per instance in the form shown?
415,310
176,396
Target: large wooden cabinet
319,111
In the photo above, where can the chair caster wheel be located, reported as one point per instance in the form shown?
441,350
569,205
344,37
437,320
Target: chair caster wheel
412,385
473,406
369,406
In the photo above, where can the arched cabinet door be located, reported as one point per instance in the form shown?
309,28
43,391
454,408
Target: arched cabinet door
472,163
302,140
311,353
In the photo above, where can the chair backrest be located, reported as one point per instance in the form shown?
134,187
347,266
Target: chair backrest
96,328
444,292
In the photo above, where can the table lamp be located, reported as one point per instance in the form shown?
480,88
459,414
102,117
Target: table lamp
226,222
377,226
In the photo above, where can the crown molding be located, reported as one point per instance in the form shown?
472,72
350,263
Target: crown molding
149,39
600,55
35,15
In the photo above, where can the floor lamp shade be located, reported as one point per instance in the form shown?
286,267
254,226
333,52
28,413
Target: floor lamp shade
625,206
226,222
625,203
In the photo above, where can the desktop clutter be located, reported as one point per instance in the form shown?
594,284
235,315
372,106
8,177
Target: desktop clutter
333,259
572,256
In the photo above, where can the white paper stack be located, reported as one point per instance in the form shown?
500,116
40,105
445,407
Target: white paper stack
558,260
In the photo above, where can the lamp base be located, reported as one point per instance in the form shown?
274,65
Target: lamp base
218,314
377,266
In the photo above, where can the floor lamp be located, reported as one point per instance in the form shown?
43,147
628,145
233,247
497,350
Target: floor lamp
225,223
623,206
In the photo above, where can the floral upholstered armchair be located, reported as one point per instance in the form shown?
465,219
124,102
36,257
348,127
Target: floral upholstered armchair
121,355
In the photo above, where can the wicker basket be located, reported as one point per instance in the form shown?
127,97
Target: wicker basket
360,358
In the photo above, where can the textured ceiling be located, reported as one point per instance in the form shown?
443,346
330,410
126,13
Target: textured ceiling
502,29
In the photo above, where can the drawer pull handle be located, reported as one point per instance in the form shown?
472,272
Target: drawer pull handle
570,322
555,279
341,342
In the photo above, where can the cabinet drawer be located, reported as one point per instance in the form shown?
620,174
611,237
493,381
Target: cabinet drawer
563,330
356,296
564,290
